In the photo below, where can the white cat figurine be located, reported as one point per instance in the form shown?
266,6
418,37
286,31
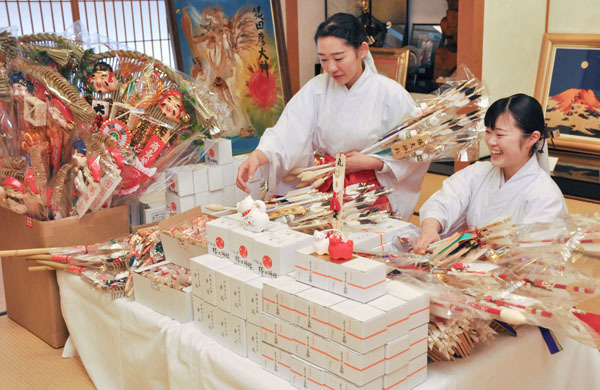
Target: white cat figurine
321,242
254,213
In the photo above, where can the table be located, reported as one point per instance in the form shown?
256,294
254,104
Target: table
125,345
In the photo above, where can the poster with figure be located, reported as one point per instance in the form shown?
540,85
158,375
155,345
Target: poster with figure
236,48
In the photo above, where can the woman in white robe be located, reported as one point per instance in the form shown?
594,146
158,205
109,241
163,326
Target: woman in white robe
343,110
512,184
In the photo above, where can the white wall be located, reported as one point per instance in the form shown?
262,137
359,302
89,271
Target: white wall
427,11
574,16
310,14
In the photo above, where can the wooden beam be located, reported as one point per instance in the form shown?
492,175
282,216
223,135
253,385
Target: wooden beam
291,27
470,35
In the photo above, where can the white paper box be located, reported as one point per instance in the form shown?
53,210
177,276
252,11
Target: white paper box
276,361
397,313
360,279
221,331
204,282
254,301
396,354
152,213
355,367
217,151
278,297
201,199
199,315
243,246
215,177
357,326
218,236
337,383
276,251
164,299
181,181
228,175
223,289
178,204
396,380
417,371
239,195
278,333
417,299
209,319
417,339
200,177
237,161
237,288
237,335
253,342
311,309
216,196
229,196
310,347
311,269
365,240
179,251
306,375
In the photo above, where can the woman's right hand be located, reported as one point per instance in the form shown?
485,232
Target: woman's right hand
430,229
248,168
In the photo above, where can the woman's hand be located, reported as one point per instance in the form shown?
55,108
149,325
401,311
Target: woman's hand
248,168
430,229
357,161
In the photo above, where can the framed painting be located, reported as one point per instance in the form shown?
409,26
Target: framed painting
392,63
237,48
568,88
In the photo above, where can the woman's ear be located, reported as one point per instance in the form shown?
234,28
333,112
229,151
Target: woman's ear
363,49
533,139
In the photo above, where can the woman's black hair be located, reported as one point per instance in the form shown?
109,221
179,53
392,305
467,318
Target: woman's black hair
525,110
344,26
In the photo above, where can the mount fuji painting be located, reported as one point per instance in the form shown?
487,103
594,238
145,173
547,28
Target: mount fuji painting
573,100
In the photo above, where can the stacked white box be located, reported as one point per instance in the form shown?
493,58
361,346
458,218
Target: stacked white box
237,335
416,299
200,178
335,382
215,177
276,361
312,269
221,331
176,204
397,380
237,288
276,251
181,181
311,308
417,340
218,233
360,279
358,368
306,375
169,301
278,297
417,371
398,311
203,269
254,300
223,285
357,326
218,151
253,341
310,347
396,354
277,333
243,245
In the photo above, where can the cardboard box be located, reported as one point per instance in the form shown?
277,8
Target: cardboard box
360,279
178,204
306,375
237,289
164,299
237,335
152,213
396,380
278,297
336,383
310,347
311,307
358,368
417,371
276,361
223,286
204,279
417,339
397,313
179,251
312,269
218,151
357,326
276,252
200,178
32,298
254,301
417,299
218,233
396,354
253,342
181,181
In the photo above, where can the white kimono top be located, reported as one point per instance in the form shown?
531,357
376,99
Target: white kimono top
327,116
478,195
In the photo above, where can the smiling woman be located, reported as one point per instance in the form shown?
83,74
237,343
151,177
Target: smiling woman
342,110
512,185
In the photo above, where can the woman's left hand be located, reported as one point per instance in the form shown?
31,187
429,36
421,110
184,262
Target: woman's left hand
357,161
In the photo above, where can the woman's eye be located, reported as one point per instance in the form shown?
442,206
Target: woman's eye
339,59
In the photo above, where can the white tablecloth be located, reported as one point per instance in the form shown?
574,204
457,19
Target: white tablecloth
125,345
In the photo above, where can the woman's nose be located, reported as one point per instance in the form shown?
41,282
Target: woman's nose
331,67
